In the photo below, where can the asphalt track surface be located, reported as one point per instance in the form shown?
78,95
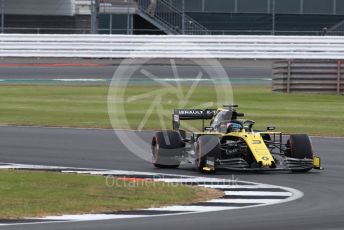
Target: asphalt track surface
27,72
322,206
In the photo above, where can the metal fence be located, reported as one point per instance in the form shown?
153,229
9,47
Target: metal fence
170,18
53,30
308,76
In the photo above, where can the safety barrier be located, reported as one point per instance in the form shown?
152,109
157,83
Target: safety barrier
172,46
312,76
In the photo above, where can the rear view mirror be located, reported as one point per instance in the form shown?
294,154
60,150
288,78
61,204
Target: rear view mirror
270,128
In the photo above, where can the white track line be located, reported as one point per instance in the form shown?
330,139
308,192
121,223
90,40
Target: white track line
245,201
191,208
239,186
257,193
110,172
80,79
198,180
183,79
89,217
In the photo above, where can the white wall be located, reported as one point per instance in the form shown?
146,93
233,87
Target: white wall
40,7
83,7
173,46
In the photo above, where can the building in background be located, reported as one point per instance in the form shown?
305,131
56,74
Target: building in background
280,17
46,16
290,17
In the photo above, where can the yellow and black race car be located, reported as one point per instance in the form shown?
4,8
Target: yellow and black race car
230,143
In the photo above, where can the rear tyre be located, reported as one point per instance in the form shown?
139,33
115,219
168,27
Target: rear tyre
167,146
299,146
208,146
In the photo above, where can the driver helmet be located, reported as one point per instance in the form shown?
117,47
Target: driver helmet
234,127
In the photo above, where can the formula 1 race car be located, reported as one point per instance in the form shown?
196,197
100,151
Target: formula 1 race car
230,143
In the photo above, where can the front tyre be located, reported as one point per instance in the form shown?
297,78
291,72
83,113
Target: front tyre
299,146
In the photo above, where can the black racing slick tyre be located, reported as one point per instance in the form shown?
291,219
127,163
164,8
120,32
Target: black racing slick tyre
208,146
299,146
167,146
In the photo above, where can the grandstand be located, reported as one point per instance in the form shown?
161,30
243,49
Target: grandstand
277,17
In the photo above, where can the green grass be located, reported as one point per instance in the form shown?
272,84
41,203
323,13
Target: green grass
86,106
33,194
312,113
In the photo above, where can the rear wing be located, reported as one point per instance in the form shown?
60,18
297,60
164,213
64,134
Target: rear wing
191,114
199,114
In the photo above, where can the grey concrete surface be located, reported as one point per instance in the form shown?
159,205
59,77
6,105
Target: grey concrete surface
41,69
